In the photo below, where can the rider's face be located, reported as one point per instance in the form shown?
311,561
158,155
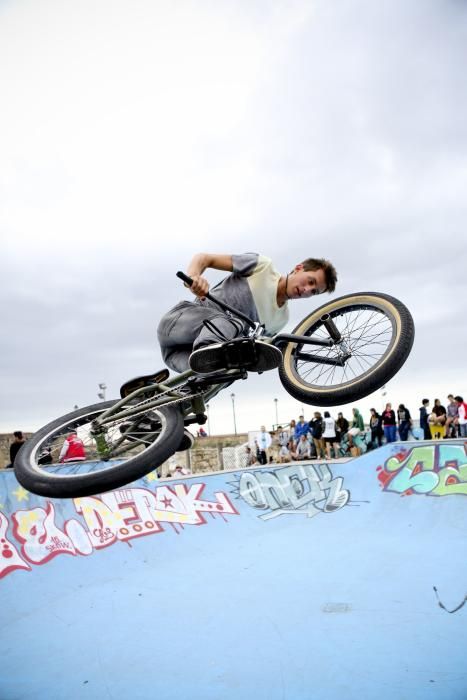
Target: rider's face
303,284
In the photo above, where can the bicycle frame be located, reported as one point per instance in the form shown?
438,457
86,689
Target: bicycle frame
166,392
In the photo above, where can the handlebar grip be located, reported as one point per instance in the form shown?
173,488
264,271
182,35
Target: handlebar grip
185,278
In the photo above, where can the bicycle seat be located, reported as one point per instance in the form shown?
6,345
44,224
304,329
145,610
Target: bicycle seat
145,380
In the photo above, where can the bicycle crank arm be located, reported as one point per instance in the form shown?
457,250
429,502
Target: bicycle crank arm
337,361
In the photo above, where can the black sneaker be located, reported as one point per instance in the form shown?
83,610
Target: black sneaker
245,353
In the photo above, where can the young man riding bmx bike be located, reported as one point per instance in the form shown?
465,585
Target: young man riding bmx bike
340,352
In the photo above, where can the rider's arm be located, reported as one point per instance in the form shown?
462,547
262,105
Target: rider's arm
199,263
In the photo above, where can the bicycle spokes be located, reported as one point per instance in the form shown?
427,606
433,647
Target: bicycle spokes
365,336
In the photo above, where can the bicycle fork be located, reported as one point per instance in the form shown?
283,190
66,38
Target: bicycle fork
335,338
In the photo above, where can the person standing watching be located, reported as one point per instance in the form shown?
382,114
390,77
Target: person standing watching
329,435
264,443
405,422
376,428
15,446
316,429
462,416
424,425
389,423
301,428
452,420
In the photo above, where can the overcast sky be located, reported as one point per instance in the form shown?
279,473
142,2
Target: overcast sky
135,134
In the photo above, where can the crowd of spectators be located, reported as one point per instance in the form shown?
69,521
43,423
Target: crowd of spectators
323,436
326,437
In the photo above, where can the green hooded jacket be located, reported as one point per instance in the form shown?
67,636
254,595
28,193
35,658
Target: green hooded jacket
358,421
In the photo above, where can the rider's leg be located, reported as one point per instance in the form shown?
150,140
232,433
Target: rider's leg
183,327
223,328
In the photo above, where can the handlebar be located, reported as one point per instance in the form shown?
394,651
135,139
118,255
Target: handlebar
185,278
188,280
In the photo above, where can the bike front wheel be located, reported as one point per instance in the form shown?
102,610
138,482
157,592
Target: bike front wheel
115,456
376,336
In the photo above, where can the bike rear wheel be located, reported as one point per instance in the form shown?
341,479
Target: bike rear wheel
156,436
377,334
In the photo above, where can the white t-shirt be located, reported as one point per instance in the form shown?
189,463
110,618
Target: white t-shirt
264,441
252,289
329,428
461,414
263,283
303,447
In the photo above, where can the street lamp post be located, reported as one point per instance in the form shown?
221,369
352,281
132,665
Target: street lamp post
232,396
277,419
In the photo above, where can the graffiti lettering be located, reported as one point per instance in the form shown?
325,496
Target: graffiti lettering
10,558
305,489
108,518
39,535
435,470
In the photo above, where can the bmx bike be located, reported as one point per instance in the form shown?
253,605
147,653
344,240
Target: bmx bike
339,353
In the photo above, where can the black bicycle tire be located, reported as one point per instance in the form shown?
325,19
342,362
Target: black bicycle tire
55,485
366,383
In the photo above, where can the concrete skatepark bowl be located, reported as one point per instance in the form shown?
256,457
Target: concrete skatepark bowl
309,580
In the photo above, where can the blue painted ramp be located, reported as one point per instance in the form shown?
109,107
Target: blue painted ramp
300,581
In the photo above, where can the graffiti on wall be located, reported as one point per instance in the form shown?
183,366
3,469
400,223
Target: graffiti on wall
434,470
33,536
305,489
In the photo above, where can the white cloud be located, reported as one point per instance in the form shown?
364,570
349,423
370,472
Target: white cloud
136,134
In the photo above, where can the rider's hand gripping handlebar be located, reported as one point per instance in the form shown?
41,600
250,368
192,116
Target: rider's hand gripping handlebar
185,278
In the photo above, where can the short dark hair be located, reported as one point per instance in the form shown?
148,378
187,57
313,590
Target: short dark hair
18,434
328,268
459,399
424,401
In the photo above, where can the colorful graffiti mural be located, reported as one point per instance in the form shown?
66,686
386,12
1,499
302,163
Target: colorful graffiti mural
433,470
36,535
305,489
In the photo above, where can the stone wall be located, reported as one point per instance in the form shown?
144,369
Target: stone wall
206,455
